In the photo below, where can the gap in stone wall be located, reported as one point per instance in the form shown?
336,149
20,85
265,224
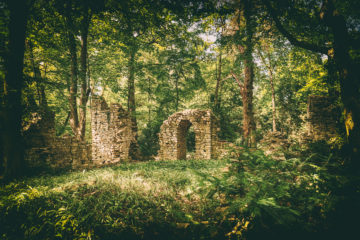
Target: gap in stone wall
182,130
190,142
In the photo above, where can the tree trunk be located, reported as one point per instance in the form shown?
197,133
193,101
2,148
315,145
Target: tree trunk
217,87
348,71
74,119
272,99
177,93
62,128
134,148
84,30
131,90
349,79
149,100
247,96
271,77
12,142
37,75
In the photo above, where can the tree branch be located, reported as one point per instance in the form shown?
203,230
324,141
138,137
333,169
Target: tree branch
62,129
230,76
263,59
287,34
241,86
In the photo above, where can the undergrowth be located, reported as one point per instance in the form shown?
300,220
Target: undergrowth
151,200
248,196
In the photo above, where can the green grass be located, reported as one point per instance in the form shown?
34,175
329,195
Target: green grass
143,200
251,196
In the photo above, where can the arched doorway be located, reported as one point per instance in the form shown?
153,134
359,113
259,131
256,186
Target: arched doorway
173,133
184,141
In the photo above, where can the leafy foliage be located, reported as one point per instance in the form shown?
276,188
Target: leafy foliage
181,55
144,200
250,196
279,198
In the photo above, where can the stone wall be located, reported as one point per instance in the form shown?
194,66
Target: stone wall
111,138
172,136
111,132
44,149
322,116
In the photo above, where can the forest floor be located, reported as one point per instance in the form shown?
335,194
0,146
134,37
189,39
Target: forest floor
250,196
143,200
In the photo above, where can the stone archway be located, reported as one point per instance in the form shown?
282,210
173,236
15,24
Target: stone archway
172,136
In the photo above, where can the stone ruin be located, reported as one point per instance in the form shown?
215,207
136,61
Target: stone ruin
322,116
111,132
112,135
172,136
111,139
44,149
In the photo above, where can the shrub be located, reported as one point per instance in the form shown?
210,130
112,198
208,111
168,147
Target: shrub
282,198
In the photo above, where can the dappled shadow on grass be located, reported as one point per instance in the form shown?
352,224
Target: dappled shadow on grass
149,200
171,164
252,197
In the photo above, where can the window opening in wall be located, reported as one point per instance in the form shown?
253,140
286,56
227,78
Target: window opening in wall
190,143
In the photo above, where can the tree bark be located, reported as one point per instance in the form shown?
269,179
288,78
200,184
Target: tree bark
247,96
38,78
74,118
12,142
131,89
85,91
149,100
134,147
218,81
270,69
177,93
62,129
273,99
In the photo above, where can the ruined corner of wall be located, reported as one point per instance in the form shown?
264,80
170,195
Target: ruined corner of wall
112,137
112,133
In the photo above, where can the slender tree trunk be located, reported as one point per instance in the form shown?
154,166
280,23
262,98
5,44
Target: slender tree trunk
84,30
219,70
149,99
177,93
62,129
31,102
218,81
131,90
12,142
43,100
74,118
247,96
273,99
134,147
37,75
270,69
35,72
